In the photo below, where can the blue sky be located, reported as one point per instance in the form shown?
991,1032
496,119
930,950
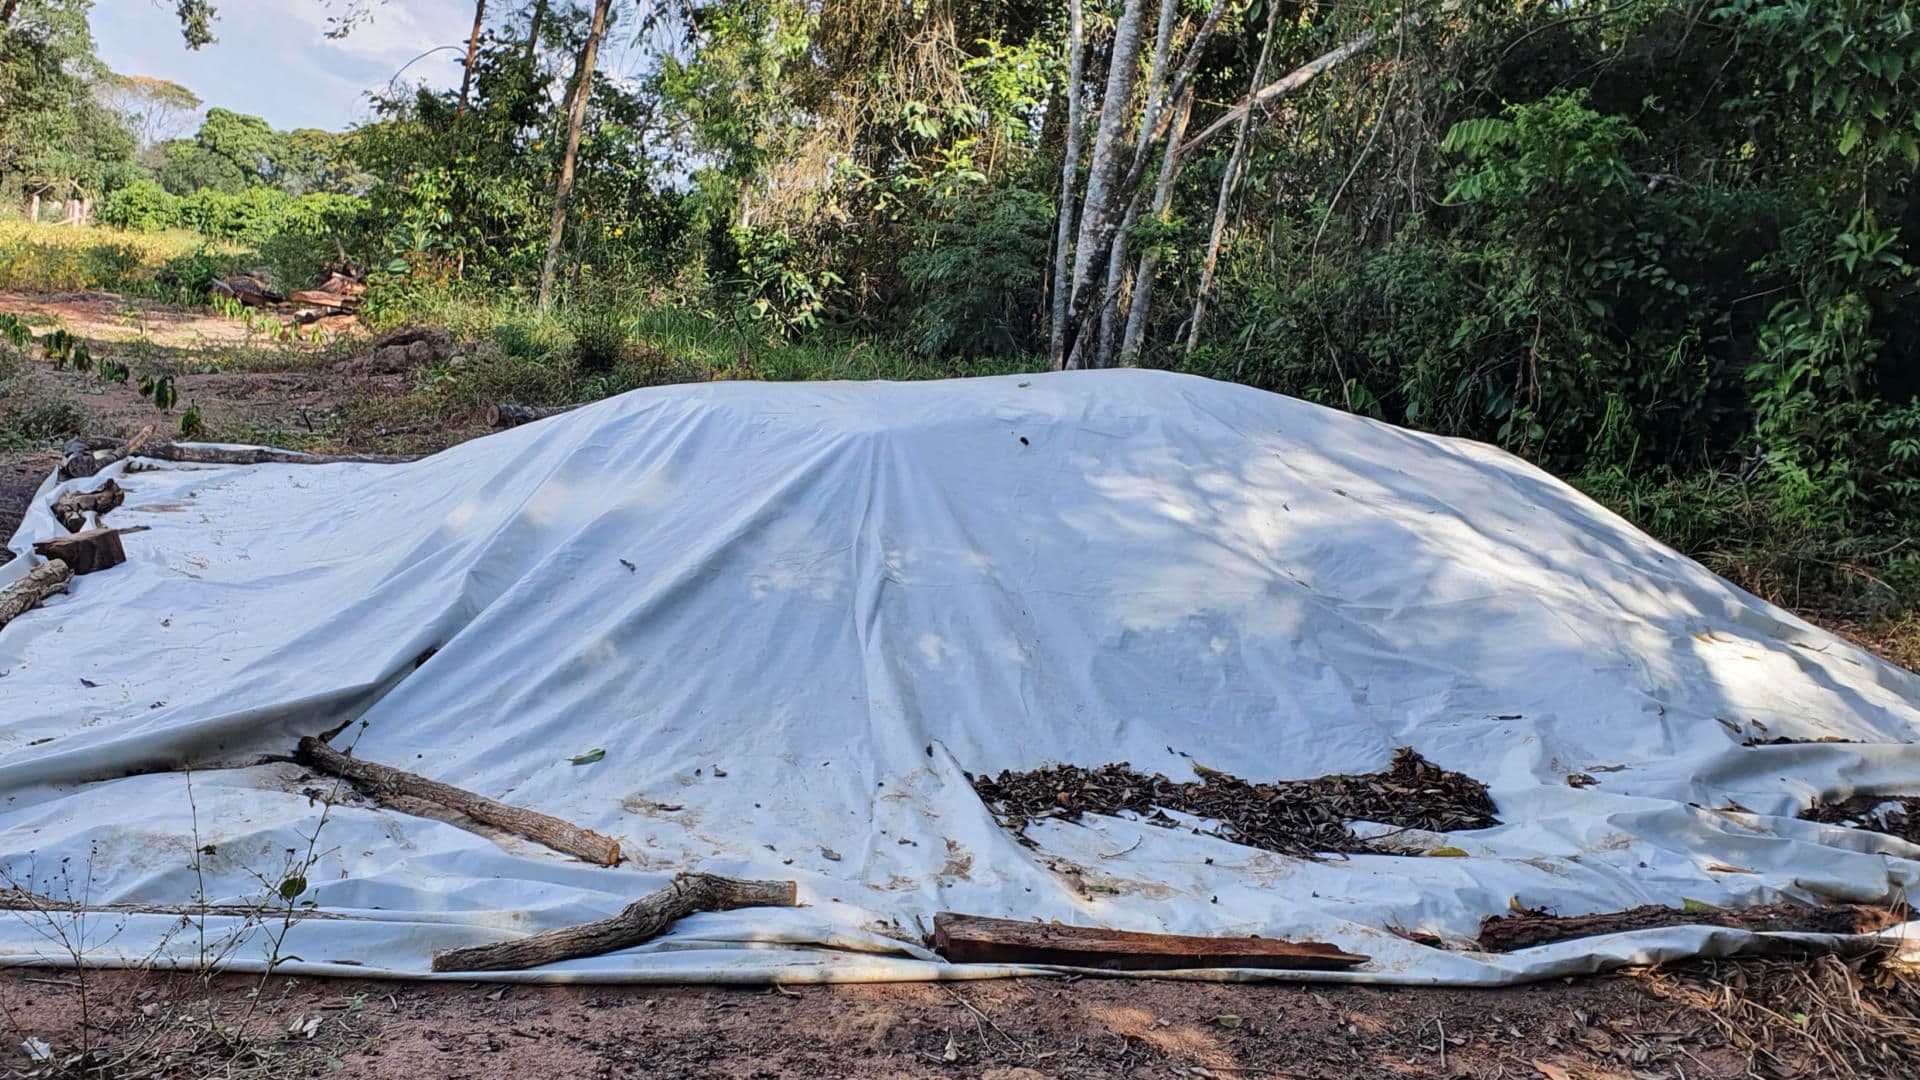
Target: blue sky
273,59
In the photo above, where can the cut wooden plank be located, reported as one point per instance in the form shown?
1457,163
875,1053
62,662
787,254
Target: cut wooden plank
85,552
641,921
27,593
975,939
72,508
384,782
1524,930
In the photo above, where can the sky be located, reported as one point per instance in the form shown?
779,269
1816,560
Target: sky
273,58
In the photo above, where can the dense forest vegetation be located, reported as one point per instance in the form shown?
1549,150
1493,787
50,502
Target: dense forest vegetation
1662,247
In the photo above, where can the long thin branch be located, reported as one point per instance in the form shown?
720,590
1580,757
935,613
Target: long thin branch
641,921
385,782
1306,73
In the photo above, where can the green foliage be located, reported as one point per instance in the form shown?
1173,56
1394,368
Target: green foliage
978,272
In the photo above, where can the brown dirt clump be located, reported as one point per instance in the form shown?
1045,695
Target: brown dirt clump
1294,817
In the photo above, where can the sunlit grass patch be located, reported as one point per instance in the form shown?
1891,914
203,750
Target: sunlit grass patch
62,258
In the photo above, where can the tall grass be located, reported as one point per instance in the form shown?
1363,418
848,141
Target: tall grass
63,258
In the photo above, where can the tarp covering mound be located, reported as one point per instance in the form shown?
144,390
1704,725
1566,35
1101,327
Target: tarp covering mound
795,618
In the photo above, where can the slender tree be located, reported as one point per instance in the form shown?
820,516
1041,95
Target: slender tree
1117,267
1116,115
1069,180
1084,306
473,56
1143,276
576,119
1228,181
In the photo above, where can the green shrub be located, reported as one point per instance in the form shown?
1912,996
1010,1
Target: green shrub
599,339
142,206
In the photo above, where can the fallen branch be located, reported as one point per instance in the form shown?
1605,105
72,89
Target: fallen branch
641,921
72,508
974,939
383,782
506,416
1526,929
26,594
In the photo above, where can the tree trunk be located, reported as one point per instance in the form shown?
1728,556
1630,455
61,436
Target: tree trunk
33,202
6,12
533,30
1143,277
473,54
641,921
1079,306
1227,184
576,119
1117,267
1097,217
1069,181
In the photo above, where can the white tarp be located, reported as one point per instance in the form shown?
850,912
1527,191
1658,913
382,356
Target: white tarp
793,615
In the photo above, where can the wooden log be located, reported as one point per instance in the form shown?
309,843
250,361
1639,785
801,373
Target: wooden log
89,455
72,508
259,455
507,416
86,552
27,593
249,290
975,939
641,921
77,455
1524,930
383,782
322,299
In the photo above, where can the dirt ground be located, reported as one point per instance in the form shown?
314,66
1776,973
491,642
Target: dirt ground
1813,1018
1637,1027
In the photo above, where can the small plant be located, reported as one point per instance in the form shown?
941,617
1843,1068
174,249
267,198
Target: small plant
192,426
159,390
599,340
13,331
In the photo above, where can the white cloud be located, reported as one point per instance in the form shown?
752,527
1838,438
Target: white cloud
273,58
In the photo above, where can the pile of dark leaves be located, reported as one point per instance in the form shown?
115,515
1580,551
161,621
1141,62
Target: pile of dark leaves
1293,817
1895,815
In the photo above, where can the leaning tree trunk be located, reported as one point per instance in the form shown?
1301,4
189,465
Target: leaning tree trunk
533,30
1069,178
1117,267
576,119
1227,183
473,55
1143,276
1098,217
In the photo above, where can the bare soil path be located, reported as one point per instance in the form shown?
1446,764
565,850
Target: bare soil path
1630,1028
